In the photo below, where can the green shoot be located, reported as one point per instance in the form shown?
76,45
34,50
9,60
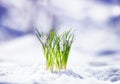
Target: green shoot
56,48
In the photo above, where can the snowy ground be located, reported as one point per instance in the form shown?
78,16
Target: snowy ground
22,62
95,54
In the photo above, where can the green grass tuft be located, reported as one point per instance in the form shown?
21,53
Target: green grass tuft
56,48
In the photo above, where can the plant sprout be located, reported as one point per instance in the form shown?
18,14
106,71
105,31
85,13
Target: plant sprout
56,48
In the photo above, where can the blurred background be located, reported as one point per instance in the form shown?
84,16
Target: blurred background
96,22
96,25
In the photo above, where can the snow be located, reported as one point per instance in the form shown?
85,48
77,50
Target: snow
95,54
22,62
112,74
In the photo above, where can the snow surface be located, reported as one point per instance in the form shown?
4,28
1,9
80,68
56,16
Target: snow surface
95,54
22,62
